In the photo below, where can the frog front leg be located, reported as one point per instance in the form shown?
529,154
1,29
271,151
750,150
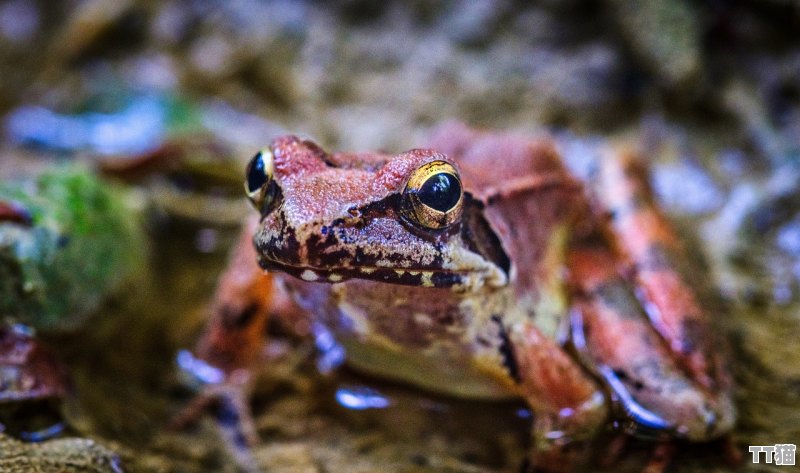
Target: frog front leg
567,404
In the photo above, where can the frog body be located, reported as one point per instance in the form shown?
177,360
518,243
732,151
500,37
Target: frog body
481,267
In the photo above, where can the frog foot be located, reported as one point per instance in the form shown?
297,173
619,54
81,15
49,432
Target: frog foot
615,449
557,460
570,456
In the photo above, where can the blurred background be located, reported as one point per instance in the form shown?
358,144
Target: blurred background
126,125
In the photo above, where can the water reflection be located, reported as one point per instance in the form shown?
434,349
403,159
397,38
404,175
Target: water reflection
360,398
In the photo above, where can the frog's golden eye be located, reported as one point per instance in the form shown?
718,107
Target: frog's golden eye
433,196
258,180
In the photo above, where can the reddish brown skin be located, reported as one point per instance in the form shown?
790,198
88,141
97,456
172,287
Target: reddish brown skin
660,365
553,379
651,247
618,337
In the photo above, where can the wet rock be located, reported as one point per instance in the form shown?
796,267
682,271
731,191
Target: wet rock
83,241
71,455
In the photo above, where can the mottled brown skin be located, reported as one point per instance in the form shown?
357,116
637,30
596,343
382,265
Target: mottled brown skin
659,262
531,293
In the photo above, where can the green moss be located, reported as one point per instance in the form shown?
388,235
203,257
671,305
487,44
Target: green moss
84,241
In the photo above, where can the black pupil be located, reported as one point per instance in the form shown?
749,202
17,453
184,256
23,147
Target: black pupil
256,177
440,192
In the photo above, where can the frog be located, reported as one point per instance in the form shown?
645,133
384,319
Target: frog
481,267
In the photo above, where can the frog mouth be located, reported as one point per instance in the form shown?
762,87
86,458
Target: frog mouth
408,277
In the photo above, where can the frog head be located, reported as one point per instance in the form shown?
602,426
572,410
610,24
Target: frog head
403,219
